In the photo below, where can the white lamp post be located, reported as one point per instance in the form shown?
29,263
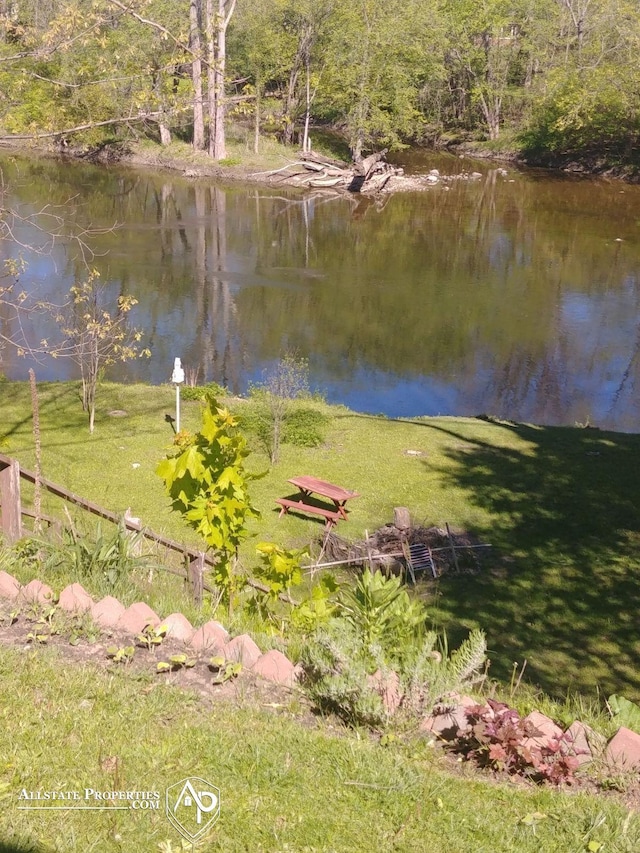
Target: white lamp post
177,377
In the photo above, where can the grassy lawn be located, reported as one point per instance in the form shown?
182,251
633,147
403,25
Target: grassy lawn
561,587
284,786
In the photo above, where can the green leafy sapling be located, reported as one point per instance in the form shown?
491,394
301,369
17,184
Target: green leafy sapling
208,485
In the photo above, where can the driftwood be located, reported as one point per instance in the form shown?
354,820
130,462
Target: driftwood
321,160
370,175
364,166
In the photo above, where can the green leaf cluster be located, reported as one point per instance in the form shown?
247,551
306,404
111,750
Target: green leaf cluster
625,712
381,611
378,627
208,485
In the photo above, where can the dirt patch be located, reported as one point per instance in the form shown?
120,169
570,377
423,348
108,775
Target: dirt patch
75,644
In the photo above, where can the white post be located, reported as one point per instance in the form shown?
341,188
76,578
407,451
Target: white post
177,378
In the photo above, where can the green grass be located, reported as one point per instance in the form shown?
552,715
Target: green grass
240,152
561,586
284,786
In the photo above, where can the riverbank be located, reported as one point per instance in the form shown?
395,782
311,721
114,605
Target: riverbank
274,163
557,589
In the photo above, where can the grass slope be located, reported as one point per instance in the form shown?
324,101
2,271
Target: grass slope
284,786
561,588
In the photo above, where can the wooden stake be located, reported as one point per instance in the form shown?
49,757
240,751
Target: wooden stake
37,486
453,550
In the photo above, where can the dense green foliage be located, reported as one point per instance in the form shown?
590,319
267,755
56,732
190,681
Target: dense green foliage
376,636
207,482
557,78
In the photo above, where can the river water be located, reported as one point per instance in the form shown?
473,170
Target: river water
516,295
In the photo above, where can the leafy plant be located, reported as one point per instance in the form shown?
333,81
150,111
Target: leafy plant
626,713
179,661
45,626
38,637
278,570
123,654
500,739
317,608
381,611
224,670
151,637
208,486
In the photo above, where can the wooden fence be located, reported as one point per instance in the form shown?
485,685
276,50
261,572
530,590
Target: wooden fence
12,513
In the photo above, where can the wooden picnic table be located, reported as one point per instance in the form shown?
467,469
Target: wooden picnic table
306,501
312,485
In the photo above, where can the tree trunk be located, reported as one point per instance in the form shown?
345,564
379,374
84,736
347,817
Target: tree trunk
217,142
306,144
165,134
195,39
291,104
491,110
216,24
256,115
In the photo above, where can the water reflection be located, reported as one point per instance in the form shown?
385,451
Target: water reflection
514,295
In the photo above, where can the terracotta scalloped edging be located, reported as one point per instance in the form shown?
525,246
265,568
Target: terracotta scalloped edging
623,749
109,613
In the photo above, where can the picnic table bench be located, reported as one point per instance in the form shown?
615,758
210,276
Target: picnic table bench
306,502
330,515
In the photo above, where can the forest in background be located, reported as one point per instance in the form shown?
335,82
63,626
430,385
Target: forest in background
552,80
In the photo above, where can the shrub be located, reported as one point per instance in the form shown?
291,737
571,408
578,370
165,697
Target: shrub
500,739
200,392
336,674
382,613
304,427
430,673
287,381
378,627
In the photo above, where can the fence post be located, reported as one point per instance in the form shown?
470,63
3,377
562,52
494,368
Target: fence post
11,509
196,574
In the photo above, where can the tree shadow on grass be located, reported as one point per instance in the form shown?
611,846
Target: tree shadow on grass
9,846
563,590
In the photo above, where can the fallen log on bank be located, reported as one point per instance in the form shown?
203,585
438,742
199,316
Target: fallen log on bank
369,175
369,178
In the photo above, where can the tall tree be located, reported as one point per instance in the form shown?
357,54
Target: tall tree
218,14
380,54
195,43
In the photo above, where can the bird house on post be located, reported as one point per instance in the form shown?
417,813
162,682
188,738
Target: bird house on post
177,377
